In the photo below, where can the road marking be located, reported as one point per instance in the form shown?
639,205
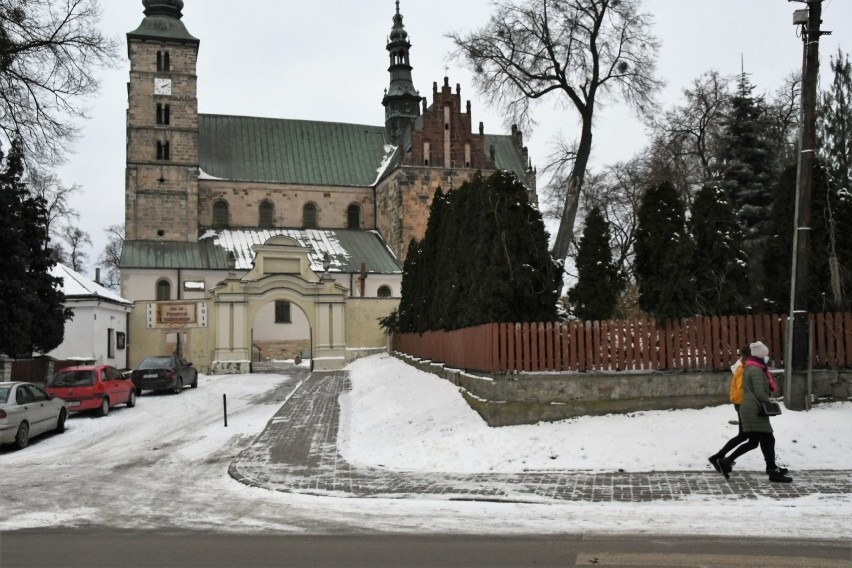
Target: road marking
662,559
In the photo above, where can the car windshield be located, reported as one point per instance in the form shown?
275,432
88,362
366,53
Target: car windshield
156,363
4,394
73,379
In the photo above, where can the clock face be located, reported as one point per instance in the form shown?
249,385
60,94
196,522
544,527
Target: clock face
162,86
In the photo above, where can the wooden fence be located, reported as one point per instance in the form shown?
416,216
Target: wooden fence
701,343
39,370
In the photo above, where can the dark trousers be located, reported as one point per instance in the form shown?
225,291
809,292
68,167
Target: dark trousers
766,441
736,440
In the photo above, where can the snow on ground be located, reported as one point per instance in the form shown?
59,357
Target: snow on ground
405,419
163,465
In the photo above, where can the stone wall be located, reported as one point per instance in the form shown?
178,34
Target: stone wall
506,400
282,350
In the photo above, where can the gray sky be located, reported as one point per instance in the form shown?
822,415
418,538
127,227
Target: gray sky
327,61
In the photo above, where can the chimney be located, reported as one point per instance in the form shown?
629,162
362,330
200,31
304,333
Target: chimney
98,276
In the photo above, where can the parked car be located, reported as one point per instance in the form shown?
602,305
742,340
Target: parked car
26,410
92,387
164,372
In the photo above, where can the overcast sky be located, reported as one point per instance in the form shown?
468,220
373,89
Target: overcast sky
327,61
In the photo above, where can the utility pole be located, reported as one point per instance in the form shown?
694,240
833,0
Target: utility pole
797,353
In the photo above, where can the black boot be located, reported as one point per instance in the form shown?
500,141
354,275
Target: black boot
726,466
782,470
775,475
714,461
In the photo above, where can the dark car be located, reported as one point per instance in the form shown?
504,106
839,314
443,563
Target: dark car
164,372
92,387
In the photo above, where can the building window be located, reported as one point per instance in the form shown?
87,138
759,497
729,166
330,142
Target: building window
266,215
353,217
110,343
162,150
282,311
384,292
164,113
426,150
467,155
220,214
164,291
163,63
120,340
309,216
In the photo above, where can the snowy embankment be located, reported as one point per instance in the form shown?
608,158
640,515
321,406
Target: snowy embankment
405,419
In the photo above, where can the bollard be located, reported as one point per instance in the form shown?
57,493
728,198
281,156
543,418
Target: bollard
225,408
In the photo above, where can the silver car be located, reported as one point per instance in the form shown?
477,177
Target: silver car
26,410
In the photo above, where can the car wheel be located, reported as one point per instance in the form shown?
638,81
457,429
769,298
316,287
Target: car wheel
104,408
22,438
60,422
131,399
179,388
195,382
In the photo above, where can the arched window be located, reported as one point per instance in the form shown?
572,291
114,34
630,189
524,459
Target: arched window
163,63
266,212
164,290
309,216
164,113
220,214
353,217
384,292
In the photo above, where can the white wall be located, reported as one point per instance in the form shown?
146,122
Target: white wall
264,327
86,334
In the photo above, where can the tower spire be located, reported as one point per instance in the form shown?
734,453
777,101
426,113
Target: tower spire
401,100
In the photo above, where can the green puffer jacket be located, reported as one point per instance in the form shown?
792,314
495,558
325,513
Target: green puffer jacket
754,381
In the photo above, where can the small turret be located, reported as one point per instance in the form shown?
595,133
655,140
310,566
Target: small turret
401,100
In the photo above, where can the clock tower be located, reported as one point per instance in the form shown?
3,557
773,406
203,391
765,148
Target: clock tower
161,179
401,100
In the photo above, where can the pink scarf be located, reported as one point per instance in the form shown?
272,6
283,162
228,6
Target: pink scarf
752,362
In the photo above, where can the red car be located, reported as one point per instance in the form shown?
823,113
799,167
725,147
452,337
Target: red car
92,387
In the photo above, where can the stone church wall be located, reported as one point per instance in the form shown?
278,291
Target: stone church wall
244,199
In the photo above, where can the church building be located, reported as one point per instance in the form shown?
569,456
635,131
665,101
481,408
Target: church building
251,239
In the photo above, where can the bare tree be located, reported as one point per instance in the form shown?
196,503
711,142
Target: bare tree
686,138
110,258
56,198
49,52
76,239
584,51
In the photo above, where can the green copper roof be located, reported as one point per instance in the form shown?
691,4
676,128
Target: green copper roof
506,157
306,152
347,249
162,28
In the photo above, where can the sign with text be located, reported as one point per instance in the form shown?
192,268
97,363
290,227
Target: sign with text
176,315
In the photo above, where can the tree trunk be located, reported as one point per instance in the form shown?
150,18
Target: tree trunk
575,185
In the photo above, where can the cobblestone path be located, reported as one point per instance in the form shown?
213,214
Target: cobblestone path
297,452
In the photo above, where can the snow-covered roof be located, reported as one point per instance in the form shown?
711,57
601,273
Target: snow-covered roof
77,286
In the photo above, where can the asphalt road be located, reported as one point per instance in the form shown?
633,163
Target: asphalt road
100,547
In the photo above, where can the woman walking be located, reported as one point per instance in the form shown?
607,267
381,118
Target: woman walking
736,397
757,386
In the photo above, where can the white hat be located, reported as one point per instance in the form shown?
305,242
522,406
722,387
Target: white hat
759,350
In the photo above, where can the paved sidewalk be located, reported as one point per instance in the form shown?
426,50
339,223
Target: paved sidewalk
297,452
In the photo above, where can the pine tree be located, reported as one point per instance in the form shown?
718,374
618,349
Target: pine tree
825,203
599,283
483,258
749,164
664,255
31,300
834,144
720,263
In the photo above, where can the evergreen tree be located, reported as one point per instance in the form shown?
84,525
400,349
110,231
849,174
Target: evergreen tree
31,300
483,258
599,283
826,203
720,264
664,255
834,144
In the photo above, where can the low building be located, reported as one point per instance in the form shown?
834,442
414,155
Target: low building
98,329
